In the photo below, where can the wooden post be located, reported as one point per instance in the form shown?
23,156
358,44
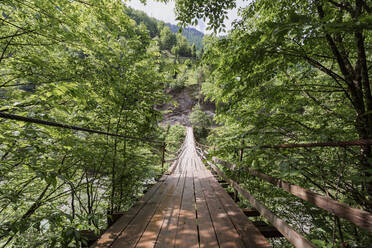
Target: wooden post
238,173
109,217
162,156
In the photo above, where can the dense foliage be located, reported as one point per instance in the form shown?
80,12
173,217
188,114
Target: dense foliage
184,43
85,64
201,123
290,72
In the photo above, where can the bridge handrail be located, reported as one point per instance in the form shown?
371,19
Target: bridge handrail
288,232
359,217
361,142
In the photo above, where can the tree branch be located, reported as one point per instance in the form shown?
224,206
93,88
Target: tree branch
6,47
16,34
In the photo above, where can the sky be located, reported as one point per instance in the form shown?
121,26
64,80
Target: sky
165,12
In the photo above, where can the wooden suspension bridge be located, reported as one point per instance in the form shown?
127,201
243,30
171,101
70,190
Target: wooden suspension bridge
187,208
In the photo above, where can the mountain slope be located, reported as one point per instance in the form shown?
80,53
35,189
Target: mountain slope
191,34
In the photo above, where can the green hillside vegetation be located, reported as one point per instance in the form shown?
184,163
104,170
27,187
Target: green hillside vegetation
168,34
179,57
191,34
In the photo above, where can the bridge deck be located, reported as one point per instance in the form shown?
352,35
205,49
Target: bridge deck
187,209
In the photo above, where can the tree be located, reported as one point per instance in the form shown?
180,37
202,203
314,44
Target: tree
189,11
184,49
142,17
167,39
193,51
200,121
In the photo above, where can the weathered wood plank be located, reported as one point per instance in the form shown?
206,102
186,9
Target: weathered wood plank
187,232
207,233
226,233
115,230
168,230
150,235
130,236
250,235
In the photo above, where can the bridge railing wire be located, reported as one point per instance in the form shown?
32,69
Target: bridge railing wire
361,142
162,144
65,126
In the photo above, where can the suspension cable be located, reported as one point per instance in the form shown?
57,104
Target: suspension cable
60,125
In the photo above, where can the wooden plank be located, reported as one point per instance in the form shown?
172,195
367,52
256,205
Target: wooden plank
357,216
187,232
149,236
288,232
249,234
226,233
132,233
207,233
168,230
115,230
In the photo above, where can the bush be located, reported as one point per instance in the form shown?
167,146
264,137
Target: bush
175,135
201,123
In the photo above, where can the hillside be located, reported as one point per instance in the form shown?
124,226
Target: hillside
179,63
193,35
155,26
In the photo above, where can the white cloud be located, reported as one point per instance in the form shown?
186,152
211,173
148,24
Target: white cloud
201,25
160,11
